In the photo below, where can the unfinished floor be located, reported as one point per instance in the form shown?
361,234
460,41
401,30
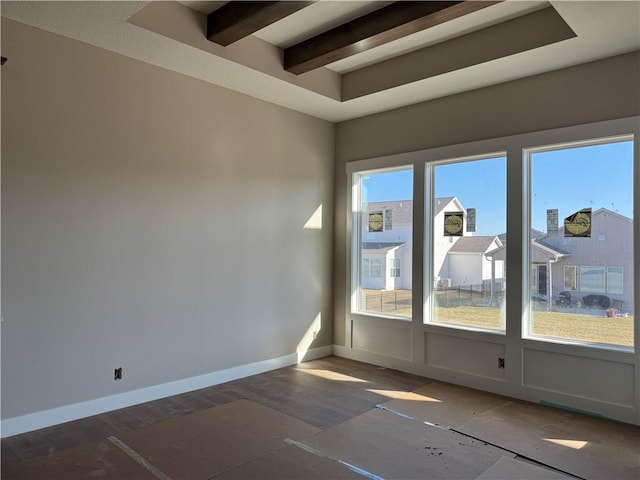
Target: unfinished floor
329,419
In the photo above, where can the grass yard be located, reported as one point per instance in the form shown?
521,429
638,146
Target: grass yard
588,328
568,325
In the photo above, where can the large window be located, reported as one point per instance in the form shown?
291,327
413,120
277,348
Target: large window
383,240
592,280
581,242
467,225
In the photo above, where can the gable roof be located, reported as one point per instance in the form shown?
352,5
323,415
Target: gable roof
539,250
402,210
440,203
478,244
380,247
534,234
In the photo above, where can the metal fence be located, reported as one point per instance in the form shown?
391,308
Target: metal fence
468,295
399,302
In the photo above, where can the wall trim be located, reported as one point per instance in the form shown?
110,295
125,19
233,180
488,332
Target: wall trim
67,413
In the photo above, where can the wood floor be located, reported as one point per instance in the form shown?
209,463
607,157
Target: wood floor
290,391
338,399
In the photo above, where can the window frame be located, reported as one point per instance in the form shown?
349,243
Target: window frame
355,231
517,227
428,240
557,141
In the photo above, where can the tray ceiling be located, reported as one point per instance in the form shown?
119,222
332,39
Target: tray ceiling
499,42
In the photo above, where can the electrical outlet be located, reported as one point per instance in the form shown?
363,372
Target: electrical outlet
117,374
500,362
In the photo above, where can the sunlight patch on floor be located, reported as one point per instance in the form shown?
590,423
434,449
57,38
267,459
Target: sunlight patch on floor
575,444
401,395
329,375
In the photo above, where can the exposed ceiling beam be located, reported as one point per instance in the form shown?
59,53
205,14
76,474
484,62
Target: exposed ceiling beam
239,19
374,29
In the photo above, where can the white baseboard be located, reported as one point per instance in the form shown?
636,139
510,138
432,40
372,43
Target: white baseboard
67,413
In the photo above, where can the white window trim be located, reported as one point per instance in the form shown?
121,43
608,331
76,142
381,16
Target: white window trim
572,137
354,233
428,240
517,263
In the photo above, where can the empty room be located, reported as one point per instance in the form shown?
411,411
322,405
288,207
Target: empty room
320,240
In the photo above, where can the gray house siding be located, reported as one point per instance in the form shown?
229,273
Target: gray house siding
610,245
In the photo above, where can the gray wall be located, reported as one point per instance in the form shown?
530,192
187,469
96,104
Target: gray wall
597,91
150,221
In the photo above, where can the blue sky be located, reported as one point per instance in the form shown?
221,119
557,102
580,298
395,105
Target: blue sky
569,180
598,176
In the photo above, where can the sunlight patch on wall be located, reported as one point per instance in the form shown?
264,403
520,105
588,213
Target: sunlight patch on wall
309,336
315,221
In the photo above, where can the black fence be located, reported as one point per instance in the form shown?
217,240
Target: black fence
400,301
387,301
468,295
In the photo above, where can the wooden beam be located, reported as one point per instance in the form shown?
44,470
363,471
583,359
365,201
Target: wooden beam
239,19
374,29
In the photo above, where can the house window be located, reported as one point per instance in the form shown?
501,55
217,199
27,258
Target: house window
592,280
570,277
466,257
382,225
365,271
376,267
614,280
580,211
371,267
395,268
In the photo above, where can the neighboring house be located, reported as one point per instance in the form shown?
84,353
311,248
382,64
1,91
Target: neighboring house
382,267
601,264
468,264
387,254
442,243
541,257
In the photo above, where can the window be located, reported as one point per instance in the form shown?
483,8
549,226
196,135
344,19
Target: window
376,267
467,252
580,211
570,277
371,267
382,239
614,280
365,271
592,280
395,268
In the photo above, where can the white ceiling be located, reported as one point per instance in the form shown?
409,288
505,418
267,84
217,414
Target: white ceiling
603,29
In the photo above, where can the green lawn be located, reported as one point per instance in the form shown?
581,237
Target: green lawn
588,328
